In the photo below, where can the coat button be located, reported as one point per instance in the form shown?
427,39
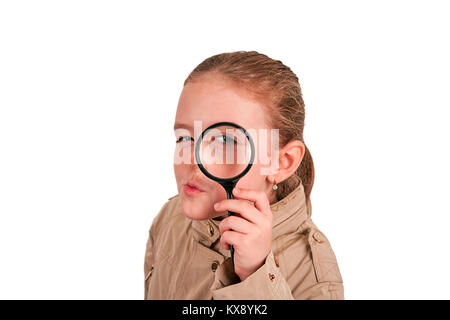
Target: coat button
271,276
214,266
211,230
318,237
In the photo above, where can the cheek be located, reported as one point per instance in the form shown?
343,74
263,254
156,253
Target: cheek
219,193
253,180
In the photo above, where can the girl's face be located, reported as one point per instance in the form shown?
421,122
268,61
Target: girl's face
212,99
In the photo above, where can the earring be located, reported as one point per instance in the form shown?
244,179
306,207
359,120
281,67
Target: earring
275,187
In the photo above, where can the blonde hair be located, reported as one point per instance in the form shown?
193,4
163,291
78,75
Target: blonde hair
278,88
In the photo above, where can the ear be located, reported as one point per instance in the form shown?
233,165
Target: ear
290,157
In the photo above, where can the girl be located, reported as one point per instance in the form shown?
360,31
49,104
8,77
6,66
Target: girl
279,253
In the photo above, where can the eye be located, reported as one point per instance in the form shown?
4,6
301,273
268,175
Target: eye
224,138
184,138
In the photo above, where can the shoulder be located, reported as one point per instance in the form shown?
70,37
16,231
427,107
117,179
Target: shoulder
169,210
170,229
170,225
308,261
309,264
322,255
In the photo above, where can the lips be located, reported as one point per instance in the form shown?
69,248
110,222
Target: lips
194,185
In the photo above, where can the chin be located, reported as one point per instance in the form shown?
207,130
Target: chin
194,210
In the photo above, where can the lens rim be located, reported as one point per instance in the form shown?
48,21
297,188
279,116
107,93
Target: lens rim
199,161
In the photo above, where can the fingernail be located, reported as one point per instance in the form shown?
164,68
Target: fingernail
236,190
216,205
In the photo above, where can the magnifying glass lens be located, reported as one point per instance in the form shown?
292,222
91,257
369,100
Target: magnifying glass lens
225,151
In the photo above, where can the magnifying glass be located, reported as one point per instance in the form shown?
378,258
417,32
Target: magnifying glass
225,152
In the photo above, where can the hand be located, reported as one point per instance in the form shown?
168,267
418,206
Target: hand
249,231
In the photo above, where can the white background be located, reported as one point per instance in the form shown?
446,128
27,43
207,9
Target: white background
88,94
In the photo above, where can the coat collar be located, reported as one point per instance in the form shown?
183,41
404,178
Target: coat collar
288,214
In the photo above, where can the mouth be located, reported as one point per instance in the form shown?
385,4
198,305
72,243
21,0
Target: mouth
191,188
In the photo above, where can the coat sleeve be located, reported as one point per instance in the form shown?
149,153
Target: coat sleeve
317,277
149,259
150,249
266,283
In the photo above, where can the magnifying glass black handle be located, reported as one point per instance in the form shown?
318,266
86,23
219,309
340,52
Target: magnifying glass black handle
229,190
230,213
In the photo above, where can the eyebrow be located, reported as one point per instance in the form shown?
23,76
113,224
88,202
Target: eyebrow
182,125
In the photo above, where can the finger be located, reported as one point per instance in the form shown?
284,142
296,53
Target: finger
236,224
231,238
258,197
243,207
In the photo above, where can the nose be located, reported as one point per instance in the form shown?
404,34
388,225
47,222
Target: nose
193,162
188,156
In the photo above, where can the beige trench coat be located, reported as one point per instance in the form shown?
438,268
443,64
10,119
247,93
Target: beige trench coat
181,262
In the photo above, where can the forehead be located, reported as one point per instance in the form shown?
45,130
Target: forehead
211,100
